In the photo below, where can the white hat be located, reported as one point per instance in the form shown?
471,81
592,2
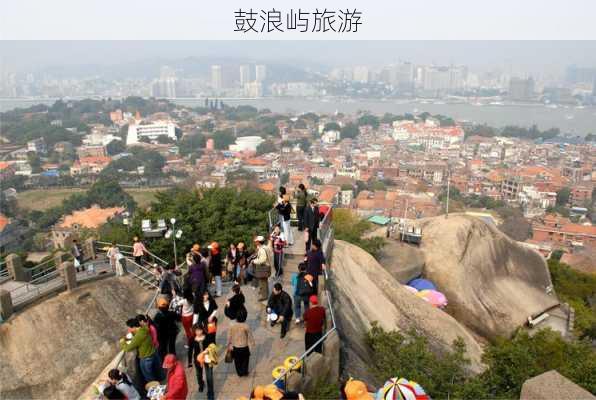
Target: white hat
259,239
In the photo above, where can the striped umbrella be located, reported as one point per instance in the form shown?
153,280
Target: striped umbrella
401,389
435,298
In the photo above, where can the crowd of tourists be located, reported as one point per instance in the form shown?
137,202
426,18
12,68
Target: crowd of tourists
187,303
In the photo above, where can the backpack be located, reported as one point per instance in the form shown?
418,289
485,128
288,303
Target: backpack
303,289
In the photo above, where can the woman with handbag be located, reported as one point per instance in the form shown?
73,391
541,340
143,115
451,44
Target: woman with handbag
240,340
196,356
205,309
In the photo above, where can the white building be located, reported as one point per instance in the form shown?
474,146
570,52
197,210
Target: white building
247,143
216,77
244,75
331,136
253,89
37,146
260,73
151,131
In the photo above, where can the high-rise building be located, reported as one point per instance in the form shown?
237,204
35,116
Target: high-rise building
166,85
575,74
260,73
521,89
244,75
360,74
253,89
216,77
594,88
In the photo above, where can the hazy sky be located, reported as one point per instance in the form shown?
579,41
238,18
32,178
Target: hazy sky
531,56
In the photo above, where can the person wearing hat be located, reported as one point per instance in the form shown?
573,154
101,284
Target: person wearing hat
176,388
262,268
272,392
149,361
167,328
314,324
215,266
355,390
280,304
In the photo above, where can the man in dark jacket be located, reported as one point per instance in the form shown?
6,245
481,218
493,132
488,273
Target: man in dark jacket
311,221
197,278
280,303
167,328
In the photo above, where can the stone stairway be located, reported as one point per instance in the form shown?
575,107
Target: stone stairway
270,350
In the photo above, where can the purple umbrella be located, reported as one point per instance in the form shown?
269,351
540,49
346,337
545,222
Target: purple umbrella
422,284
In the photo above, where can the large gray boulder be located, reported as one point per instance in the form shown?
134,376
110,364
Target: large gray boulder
493,283
364,292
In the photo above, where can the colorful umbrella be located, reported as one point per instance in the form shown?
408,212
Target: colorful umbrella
422,284
411,289
401,389
435,298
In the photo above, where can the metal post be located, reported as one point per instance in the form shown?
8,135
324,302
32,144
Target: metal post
174,237
448,186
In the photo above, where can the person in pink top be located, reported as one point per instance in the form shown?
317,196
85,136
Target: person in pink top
138,250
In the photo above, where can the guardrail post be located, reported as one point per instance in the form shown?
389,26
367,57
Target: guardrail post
14,265
59,258
5,305
89,249
68,271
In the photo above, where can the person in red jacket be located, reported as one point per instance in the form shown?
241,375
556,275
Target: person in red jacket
176,388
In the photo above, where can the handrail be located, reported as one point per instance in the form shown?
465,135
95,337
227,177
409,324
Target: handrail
164,262
129,260
332,329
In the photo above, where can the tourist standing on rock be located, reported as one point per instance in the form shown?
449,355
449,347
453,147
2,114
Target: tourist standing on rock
205,309
285,212
196,357
231,263
301,196
145,320
149,361
167,328
278,240
315,263
138,250
124,384
196,277
314,324
187,313
215,266
77,255
303,289
240,340
262,268
116,259
234,303
168,285
312,219
176,387
241,263
279,308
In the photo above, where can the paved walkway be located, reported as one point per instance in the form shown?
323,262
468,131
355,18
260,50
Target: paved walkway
270,350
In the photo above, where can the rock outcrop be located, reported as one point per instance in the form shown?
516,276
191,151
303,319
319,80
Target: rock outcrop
57,347
365,292
492,283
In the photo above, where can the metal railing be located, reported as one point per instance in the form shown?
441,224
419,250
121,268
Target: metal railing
326,238
4,272
36,287
156,259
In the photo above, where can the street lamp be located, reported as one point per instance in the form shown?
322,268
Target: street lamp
174,234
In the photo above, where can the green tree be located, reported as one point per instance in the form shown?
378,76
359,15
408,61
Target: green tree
223,139
332,126
266,147
351,228
221,214
191,143
563,196
369,119
349,131
115,147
